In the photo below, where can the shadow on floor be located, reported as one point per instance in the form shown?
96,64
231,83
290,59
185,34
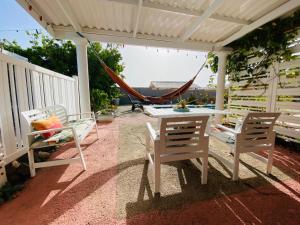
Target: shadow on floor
247,201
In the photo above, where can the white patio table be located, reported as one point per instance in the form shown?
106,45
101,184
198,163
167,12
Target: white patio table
166,111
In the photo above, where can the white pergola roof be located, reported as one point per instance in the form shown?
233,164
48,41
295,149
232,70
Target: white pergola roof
187,24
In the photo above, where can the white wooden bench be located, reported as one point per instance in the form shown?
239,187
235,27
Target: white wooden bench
76,131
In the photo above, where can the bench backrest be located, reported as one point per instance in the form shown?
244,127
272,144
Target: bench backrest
257,131
182,134
36,114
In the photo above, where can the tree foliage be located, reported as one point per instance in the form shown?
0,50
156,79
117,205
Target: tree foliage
60,56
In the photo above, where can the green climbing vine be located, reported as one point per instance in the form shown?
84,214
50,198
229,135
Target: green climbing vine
270,43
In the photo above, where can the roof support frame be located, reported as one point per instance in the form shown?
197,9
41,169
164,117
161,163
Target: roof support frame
65,7
96,35
187,12
197,23
137,20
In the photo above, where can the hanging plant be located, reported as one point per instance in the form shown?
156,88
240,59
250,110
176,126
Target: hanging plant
269,43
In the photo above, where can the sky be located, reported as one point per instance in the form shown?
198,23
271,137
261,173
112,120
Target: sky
142,64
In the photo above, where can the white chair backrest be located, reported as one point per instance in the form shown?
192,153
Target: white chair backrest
257,129
182,133
36,114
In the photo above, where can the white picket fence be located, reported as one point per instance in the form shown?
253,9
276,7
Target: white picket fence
277,90
24,86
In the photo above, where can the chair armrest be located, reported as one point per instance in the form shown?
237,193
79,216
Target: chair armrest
227,129
49,130
151,131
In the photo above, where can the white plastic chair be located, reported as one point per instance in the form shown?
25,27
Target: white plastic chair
255,133
179,138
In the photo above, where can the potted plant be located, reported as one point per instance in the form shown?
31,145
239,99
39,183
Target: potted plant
181,106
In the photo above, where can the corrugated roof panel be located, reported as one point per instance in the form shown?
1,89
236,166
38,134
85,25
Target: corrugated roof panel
50,9
259,11
118,16
104,14
206,33
248,9
196,5
162,23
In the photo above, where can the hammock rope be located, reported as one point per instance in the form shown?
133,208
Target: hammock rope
154,100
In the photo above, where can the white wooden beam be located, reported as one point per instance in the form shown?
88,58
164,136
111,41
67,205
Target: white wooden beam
66,9
137,19
39,18
187,12
290,5
197,23
140,39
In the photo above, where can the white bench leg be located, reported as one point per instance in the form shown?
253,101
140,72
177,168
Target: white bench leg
77,143
31,162
79,150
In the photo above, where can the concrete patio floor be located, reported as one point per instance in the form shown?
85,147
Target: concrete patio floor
67,195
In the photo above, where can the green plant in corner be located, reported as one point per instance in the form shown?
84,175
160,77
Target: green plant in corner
270,43
99,100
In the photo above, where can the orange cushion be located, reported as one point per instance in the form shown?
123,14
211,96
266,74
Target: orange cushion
45,124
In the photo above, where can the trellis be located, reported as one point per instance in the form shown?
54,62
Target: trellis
276,90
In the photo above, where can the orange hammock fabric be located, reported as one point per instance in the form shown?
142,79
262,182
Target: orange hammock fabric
154,100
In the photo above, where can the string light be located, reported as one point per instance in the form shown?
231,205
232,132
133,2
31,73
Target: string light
19,30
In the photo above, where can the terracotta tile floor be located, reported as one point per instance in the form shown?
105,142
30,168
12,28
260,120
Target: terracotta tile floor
66,195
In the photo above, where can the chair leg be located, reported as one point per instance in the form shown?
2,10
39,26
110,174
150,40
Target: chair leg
270,161
236,164
204,169
31,162
147,146
157,169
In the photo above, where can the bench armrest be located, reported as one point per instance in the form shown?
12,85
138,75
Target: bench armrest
227,129
49,130
79,114
92,115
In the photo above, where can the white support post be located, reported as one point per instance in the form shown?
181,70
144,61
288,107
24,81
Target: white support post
83,75
220,91
76,96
